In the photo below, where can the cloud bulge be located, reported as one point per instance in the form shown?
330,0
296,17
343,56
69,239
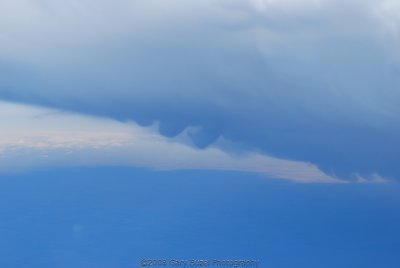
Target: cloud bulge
310,81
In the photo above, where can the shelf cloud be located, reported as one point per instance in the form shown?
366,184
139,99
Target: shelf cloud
42,138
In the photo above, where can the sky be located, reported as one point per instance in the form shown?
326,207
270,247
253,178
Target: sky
278,121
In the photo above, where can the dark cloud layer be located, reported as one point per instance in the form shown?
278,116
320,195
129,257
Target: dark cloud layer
310,81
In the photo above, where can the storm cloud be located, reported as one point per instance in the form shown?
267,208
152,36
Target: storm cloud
313,81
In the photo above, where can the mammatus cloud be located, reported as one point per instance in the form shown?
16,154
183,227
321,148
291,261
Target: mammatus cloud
37,137
312,81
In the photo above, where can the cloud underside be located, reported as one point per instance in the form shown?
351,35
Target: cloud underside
314,81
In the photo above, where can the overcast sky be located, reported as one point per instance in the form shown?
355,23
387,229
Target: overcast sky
308,81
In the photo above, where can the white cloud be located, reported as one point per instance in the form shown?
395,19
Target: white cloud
374,178
34,137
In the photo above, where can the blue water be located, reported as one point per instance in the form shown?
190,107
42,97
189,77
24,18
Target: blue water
115,217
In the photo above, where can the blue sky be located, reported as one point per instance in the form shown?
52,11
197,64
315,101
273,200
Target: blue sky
282,98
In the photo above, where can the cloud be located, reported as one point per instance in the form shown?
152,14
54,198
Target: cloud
374,178
37,137
311,81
